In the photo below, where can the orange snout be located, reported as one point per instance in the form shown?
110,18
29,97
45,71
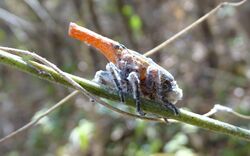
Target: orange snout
103,44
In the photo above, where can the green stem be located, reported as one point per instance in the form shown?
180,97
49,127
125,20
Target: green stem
35,69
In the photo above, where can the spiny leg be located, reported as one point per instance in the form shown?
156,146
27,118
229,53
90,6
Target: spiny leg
151,77
135,83
152,82
116,78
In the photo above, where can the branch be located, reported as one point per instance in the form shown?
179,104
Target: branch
147,105
191,26
221,108
28,56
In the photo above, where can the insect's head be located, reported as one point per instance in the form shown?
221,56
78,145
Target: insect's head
119,47
109,48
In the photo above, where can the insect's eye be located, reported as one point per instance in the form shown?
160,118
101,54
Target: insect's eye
119,47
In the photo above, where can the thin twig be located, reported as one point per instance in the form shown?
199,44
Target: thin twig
147,105
197,22
221,108
46,62
75,84
33,122
241,115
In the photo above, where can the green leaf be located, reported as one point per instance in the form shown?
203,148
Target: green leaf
176,143
127,10
135,22
82,134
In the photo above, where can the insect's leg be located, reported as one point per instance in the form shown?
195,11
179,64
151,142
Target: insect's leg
151,78
163,88
116,78
172,107
104,78
135,83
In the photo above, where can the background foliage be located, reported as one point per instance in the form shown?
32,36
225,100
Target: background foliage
211,63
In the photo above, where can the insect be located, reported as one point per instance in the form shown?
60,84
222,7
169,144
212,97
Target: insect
130,72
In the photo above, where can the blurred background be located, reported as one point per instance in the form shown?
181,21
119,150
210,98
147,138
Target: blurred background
211,64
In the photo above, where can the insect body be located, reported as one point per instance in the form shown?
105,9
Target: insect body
131,72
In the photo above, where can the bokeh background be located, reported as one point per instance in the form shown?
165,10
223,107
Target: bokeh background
211,64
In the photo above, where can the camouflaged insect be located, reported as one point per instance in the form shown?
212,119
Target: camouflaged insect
130,72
